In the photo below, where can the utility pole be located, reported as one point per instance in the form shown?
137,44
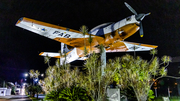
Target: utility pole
168,92
3,84
155,88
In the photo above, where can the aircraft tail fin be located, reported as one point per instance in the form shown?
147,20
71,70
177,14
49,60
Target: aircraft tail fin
65,48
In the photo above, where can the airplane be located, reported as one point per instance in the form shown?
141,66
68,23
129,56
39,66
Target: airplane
110,35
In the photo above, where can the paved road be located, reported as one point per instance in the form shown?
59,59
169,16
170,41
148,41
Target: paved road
15,98
40,96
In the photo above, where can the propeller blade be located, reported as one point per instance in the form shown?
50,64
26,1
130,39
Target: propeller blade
139,17
130,8
141,30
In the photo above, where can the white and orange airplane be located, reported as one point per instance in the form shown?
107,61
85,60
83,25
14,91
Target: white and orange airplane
110,35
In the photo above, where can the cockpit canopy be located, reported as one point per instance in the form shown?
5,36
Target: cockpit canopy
96,29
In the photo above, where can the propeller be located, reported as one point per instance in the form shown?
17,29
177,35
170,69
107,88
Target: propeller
141,30
139,17
130,8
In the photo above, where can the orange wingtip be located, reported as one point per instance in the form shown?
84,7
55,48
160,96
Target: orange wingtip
41,53
19,20
57,57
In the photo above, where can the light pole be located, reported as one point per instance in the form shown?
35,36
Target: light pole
26,75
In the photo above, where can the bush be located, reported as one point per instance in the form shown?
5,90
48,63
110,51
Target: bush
53,96
34,90
13,90
73,93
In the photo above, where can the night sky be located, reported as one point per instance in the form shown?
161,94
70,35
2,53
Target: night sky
19,48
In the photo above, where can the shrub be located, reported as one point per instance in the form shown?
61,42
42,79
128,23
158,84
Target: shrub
73,93
34,90
53,96
13,90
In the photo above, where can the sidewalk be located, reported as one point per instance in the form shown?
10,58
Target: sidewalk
15,98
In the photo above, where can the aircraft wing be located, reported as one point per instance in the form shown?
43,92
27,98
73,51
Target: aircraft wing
61,34
123,46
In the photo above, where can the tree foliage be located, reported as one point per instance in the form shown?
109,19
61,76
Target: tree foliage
60,77
34,90
34,74
92,80
84,31
95,83
47,60
127,71
139,74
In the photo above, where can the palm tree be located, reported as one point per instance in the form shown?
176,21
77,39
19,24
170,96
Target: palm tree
47,60
90,42
84,30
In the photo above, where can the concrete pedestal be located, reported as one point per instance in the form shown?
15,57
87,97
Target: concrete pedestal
113,94
8,92
3,91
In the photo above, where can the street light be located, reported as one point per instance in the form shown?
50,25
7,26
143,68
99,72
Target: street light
36,79
42,75
26,74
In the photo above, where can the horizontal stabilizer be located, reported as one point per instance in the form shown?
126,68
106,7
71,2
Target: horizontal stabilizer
138,46
124,46
50,54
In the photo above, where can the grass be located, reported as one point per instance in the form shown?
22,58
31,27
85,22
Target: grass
35,99
174,98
